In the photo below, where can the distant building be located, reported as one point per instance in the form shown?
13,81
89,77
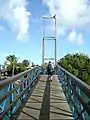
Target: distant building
2,69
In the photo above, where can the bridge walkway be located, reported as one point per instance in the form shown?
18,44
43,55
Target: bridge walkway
47,102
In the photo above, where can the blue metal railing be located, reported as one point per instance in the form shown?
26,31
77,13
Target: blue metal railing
77,94
14,90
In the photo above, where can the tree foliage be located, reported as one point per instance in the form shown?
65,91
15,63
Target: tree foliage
13,66
25,63
11,62
78,64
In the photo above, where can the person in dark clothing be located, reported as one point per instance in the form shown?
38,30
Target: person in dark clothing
49,71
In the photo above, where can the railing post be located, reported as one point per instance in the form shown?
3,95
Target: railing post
21,89
68,88
81,107
74,100
11,99
64,84
29,80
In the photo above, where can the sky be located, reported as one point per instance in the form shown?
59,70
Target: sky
21,28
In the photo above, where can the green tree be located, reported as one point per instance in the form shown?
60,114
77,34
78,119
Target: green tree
20,68
78,64
11,63
25,63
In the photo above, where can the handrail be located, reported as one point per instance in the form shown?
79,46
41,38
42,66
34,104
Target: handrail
82,85
5,96
13,102
18,91
77,93
10,80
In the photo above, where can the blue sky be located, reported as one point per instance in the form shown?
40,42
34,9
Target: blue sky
21,28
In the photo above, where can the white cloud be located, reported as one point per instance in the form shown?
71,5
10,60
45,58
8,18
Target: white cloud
80,39
70,14
61,31
15,13
49,29
75,37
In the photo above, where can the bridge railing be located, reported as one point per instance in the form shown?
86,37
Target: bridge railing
14,90
77,94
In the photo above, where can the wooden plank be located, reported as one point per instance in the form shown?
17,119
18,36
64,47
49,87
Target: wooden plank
47,102
59,108
32,108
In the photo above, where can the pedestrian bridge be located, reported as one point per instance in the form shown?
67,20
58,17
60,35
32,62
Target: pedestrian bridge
30,96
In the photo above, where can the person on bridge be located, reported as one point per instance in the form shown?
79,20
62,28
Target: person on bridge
50,70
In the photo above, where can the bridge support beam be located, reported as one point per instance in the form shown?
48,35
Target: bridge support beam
49,38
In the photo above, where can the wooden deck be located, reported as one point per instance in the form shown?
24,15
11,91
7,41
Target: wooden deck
47,102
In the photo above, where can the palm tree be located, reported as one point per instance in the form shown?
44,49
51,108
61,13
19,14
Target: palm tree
12,60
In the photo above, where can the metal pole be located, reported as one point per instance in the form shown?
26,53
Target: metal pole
0,70
42,42
43,51
55,44
45,38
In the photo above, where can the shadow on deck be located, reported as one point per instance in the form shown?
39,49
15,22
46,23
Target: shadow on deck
46,102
